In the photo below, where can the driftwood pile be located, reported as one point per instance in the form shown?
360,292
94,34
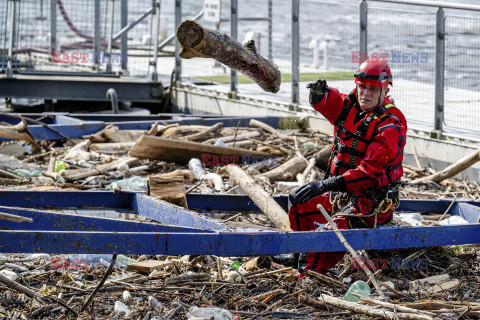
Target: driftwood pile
270,162
168,287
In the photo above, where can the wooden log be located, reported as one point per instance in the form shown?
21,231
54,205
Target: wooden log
287,171
19,132
270,129
451,170
170,189
181,151
322,156
187,175
99,136
117,147
121,136
260,197
203,134
197,41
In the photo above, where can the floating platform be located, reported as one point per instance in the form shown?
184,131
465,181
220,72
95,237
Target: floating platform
134,223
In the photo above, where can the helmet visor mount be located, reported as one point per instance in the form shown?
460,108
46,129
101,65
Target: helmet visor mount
381,80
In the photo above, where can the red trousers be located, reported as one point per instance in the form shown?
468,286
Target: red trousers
306,217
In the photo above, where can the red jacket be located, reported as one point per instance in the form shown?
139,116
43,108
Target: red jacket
367,152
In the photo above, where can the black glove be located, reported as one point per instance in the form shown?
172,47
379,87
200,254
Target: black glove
317,90
308,191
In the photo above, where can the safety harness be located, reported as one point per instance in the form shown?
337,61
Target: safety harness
386,197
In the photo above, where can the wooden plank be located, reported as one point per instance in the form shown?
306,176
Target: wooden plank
180,151
170,189
148,266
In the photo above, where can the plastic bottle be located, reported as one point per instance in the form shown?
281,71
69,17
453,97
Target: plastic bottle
27,173
121,308
236,264
195,165
59,166
196,313
134,183
220,143
100,260
359,287
306,146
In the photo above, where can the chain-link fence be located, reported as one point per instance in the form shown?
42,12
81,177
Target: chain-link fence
462,51
329,41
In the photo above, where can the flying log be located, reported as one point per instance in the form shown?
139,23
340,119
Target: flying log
197,41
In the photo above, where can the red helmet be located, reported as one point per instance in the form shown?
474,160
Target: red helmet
375,73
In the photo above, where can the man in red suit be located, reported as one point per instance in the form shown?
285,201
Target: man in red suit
360,189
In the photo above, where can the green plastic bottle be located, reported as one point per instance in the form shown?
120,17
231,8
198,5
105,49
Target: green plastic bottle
59,166
27,173
359,287
236,264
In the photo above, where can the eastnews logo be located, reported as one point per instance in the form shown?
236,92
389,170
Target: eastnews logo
395,263
391,57
88,57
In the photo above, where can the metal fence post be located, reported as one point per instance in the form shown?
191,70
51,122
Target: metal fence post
11,41
96,33
363,30
156,30
124,39
234,35
439,69
295,51
178,60
110,39
270,30
53,25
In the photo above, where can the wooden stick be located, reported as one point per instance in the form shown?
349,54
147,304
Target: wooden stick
368,310
451,170
14,218
243,136
20,288
197,41
392,306
97,289
199,135
415,155
269,273
8,175
273,131
260,197
309,168
41,155
350,249
323,278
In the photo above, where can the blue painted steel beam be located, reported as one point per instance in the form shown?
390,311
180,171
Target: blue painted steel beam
66,199
170,214
235,244
54,221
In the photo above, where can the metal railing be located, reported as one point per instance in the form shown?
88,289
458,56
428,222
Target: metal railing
422,97
439,93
